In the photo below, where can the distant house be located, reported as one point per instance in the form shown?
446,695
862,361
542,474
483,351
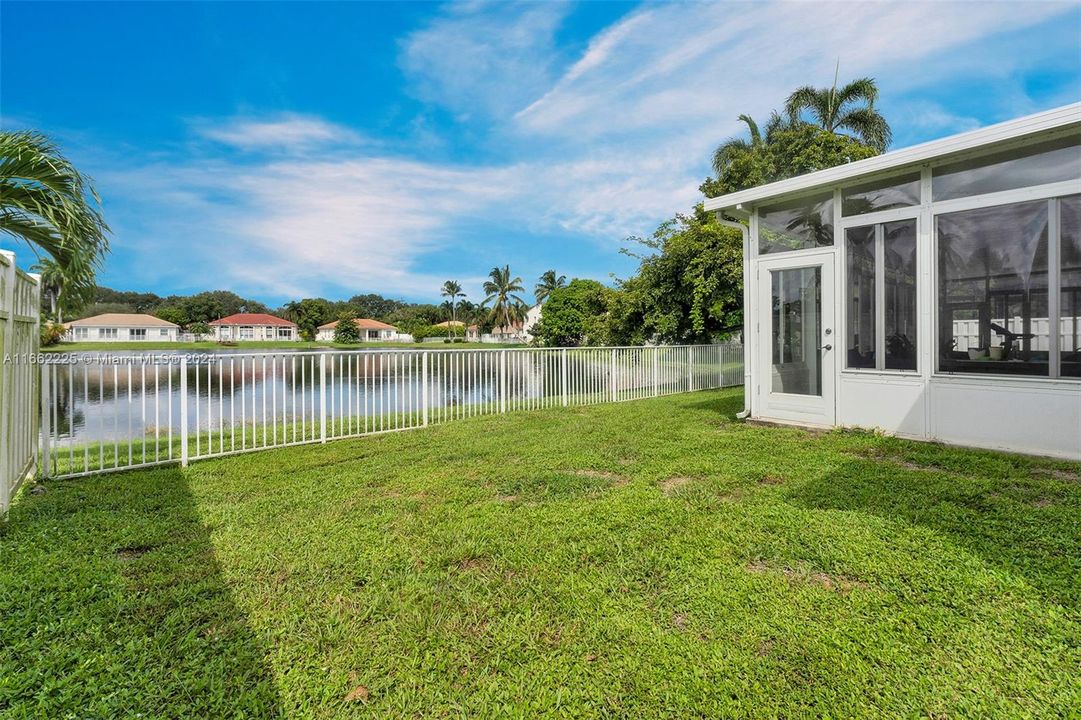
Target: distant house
253,326
370,331
121,327
517,331
472,333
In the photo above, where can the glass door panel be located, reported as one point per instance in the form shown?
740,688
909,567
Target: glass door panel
796,328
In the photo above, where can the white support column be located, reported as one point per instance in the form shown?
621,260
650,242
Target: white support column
424,385
612,374
8,277
1054,288
184,411
563,374
322,397
502,381
656,371
46,420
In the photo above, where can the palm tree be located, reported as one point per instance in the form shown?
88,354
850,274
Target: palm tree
66,288
501,291
47,203
851,109
452,290
732,148
548,283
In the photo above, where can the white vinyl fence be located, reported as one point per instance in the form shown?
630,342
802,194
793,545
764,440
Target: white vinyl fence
110,412
20,295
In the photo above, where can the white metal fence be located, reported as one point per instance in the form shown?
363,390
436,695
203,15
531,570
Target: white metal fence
20,295
108,412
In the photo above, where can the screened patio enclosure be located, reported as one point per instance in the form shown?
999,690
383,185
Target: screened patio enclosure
932,292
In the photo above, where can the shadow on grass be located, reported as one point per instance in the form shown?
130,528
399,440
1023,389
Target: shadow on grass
112,604
1019,514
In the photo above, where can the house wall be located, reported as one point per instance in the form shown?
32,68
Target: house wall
381,335
258,333
118,334
1023,414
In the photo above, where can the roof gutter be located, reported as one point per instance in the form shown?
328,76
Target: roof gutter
746,412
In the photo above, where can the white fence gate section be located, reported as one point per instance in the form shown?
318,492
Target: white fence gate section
111,412
20,336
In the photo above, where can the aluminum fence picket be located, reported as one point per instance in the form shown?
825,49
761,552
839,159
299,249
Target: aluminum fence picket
107,412
20,333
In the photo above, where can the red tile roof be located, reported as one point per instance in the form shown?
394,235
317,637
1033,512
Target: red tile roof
363,324
253,319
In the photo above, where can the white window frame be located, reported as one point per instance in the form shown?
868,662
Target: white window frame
1051,193
877,219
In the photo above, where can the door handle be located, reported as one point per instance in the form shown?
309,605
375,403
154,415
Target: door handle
826,347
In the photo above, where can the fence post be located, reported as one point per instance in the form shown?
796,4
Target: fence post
612,374
690,368
46,420
8,277
322,397
656,363
502,381
563,374
424,384
183,411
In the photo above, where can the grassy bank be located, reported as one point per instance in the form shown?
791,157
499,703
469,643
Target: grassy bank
644,559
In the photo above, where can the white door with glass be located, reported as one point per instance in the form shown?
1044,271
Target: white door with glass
796,339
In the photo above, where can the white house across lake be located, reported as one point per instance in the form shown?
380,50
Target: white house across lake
933,292
370,331
253,326
121,327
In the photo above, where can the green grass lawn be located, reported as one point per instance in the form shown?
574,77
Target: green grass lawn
644,559
121,347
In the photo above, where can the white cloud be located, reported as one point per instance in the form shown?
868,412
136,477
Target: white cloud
286,131
484,58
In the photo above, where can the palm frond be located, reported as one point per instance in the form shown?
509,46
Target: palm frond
868,125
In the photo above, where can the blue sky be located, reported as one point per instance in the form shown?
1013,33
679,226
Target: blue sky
287,150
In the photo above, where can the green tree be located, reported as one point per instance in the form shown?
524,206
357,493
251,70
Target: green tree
733,149
346,331
548,282
452,290
174,315
574,315
688,288
374,306
500,289
309,314
850,109
791,151
47,203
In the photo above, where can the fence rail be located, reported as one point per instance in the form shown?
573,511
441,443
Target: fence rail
105,412
19,340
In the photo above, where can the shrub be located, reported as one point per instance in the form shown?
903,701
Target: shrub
52,333
346,331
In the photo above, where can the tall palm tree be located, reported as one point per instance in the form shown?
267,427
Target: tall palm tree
66,288
452,290
47,203
732,148
501,289
850,109
548,283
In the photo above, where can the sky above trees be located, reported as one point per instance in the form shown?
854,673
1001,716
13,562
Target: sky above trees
289,150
